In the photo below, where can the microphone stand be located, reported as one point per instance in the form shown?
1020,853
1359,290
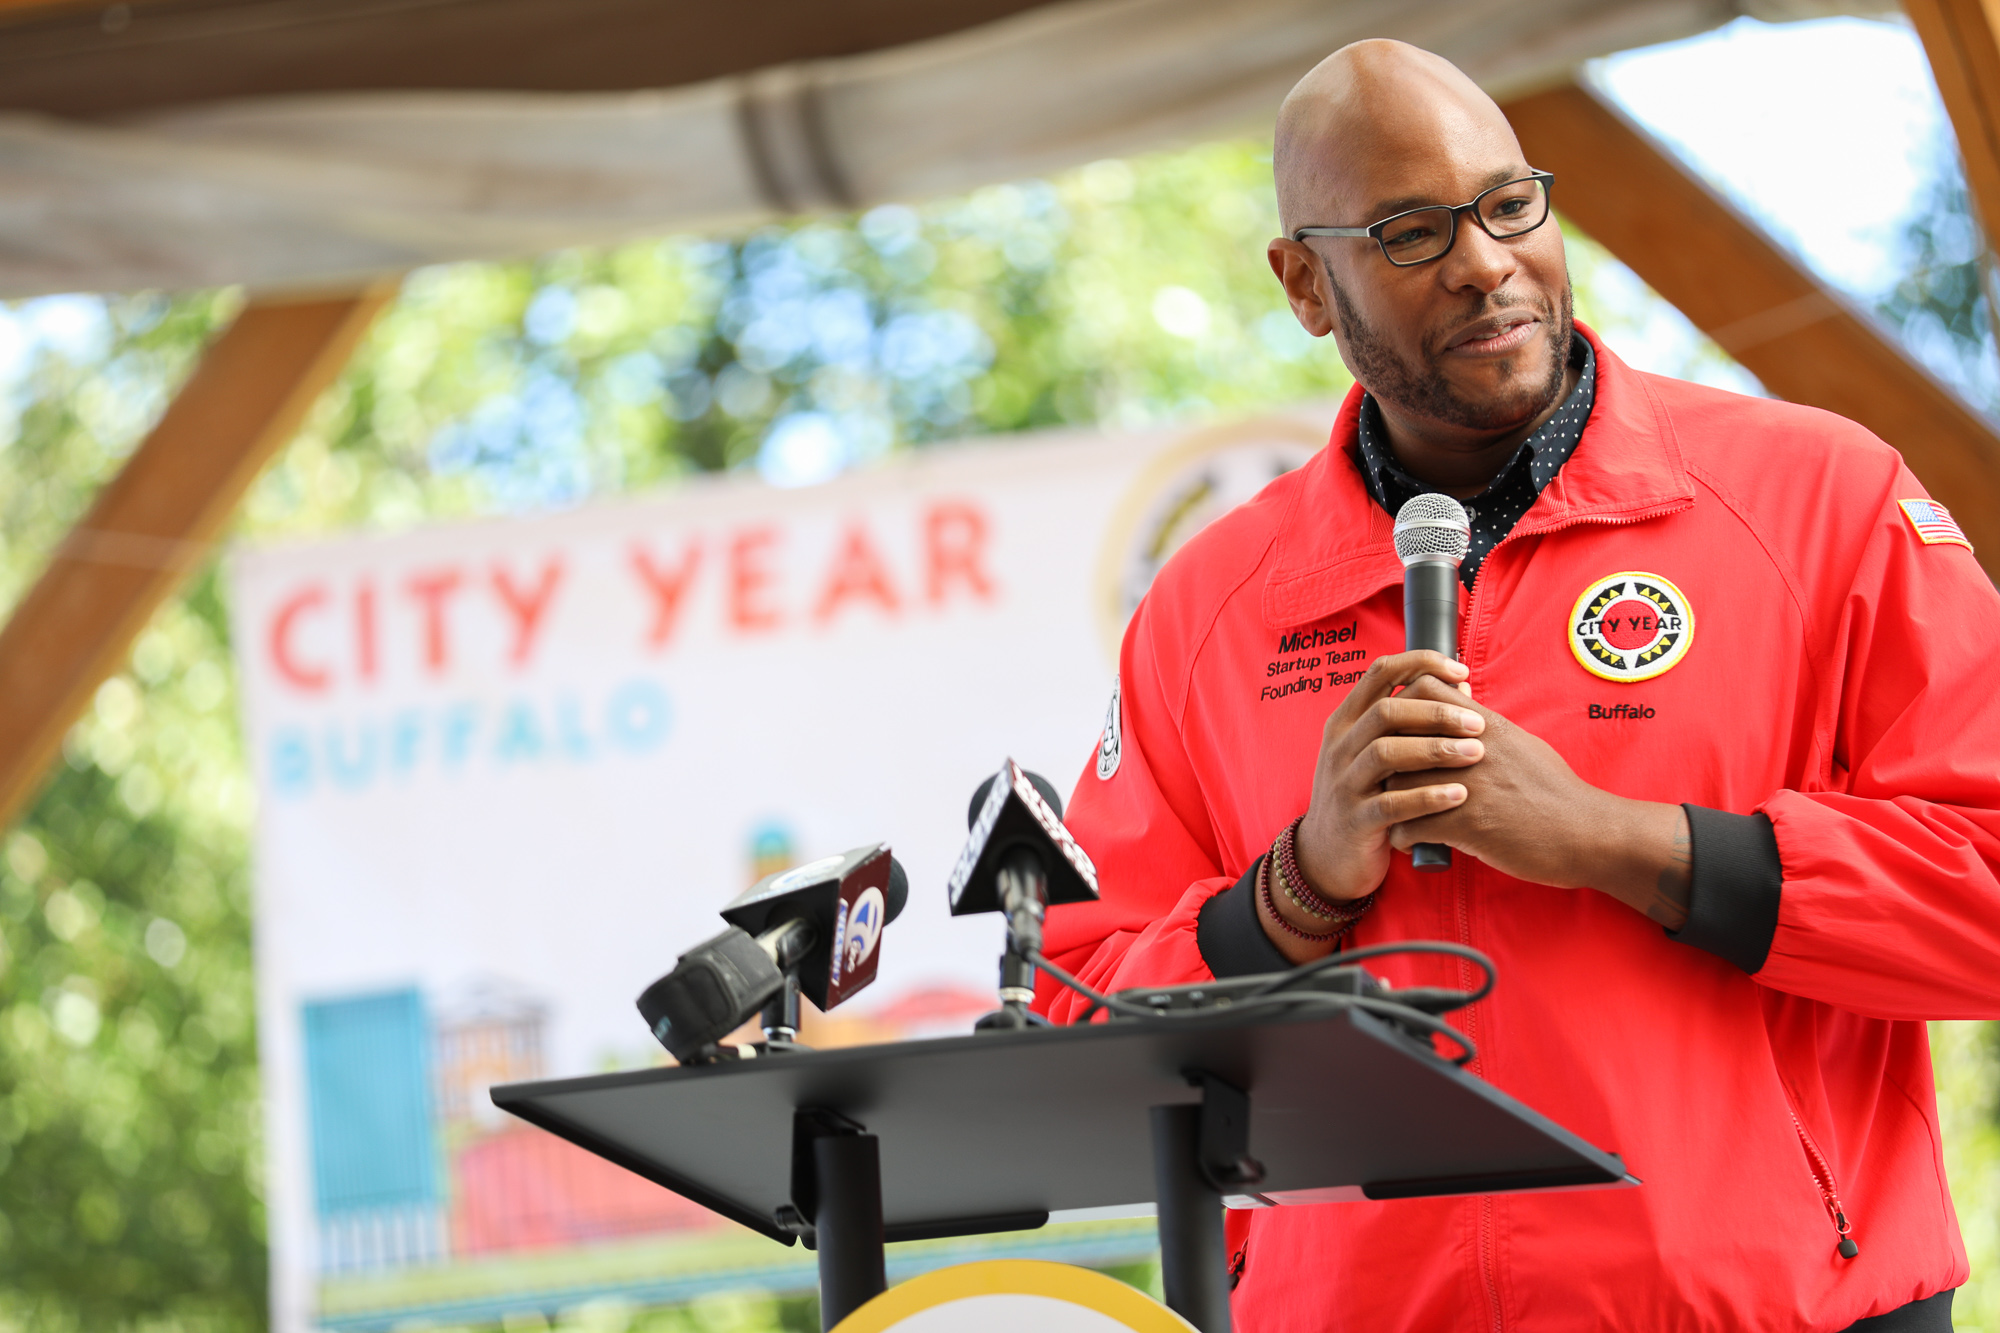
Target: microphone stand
788,944
1024,899
780,1019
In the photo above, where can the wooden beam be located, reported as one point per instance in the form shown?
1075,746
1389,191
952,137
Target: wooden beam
1762,306
159,517
1959,37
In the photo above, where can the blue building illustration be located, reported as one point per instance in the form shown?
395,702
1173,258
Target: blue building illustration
377,1177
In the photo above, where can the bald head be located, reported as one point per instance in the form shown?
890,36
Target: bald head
1373,110
1467,347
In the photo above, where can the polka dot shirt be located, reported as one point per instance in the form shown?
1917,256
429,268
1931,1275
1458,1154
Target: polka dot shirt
1495,510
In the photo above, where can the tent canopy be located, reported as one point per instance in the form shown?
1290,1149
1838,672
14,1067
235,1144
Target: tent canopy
302,143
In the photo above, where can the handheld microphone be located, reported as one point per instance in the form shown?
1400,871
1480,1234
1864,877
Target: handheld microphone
816,930
1432,536
1018,860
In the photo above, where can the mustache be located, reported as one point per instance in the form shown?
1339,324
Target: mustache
1494,305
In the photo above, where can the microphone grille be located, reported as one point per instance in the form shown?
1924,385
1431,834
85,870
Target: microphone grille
1430,526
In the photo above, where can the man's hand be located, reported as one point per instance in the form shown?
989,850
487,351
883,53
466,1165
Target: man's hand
1431,765
1527,814
1374,736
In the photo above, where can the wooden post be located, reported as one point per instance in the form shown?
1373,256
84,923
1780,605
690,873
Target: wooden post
1959,38
159,517
1763,307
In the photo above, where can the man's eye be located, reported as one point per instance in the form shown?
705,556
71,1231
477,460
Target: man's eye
1409,236
1508,208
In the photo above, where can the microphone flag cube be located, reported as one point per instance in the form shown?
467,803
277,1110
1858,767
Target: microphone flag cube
1014,816
857,930
845,899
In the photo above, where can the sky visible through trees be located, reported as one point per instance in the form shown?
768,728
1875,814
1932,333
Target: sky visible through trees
1122,293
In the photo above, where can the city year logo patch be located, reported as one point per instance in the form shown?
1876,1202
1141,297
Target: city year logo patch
1630,626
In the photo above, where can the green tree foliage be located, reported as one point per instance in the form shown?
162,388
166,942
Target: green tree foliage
1123,293
128,1081
1941,307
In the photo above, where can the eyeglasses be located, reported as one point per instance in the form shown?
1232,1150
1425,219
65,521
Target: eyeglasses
1423,234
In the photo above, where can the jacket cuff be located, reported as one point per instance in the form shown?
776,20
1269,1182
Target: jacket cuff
1231,938
1737,882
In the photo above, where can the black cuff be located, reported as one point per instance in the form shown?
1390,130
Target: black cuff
1738,878
1231,938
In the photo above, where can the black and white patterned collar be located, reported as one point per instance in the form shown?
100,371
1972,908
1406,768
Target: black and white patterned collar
1514,489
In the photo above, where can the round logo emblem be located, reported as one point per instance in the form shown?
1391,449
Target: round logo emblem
1013,1293
864,928
1184,487
1630,626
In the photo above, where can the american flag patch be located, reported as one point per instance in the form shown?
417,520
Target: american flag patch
1933,523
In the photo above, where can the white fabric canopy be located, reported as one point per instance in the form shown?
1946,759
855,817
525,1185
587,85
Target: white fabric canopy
327,189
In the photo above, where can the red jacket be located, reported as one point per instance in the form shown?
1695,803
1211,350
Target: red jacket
1837,678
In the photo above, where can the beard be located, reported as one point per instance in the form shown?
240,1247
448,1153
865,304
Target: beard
1423,391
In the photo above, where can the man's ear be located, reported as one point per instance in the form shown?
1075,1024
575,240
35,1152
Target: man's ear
1298,273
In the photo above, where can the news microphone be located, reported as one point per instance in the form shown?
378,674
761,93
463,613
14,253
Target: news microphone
1018,860
1432,537
815,929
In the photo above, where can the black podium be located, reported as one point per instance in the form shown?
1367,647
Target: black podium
847,1148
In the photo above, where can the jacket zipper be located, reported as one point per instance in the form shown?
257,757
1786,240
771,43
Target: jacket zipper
1469,641
1828,1194
1489,1264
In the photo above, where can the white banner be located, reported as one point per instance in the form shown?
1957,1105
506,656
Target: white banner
508,770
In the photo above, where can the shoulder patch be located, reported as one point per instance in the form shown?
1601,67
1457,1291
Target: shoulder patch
1933,523
1110,744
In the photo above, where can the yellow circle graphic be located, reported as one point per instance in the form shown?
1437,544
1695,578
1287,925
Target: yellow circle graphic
1188,485
1630,626
1093,1296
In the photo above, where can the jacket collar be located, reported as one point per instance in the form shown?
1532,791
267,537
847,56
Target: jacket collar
1335,544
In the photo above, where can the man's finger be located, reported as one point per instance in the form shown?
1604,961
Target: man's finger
1411,779
1376,689
1457,691
1397,810
1387,756
1386,675
1401,716
1446,826
1405,716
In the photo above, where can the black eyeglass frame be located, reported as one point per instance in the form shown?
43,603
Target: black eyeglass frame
1374,230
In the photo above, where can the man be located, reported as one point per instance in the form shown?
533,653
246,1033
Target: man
1721,791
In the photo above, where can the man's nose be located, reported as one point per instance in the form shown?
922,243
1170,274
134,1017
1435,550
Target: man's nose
1477,262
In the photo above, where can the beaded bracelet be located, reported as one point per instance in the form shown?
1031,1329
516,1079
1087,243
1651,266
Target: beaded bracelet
1311,904
1285,858
1264,891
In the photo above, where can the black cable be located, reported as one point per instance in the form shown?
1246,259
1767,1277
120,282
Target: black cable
1286,980
1279,996
1280,1001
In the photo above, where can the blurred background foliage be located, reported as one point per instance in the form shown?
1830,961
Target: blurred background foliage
1124,293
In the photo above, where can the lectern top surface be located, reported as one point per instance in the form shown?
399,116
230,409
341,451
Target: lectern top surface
1001,1124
